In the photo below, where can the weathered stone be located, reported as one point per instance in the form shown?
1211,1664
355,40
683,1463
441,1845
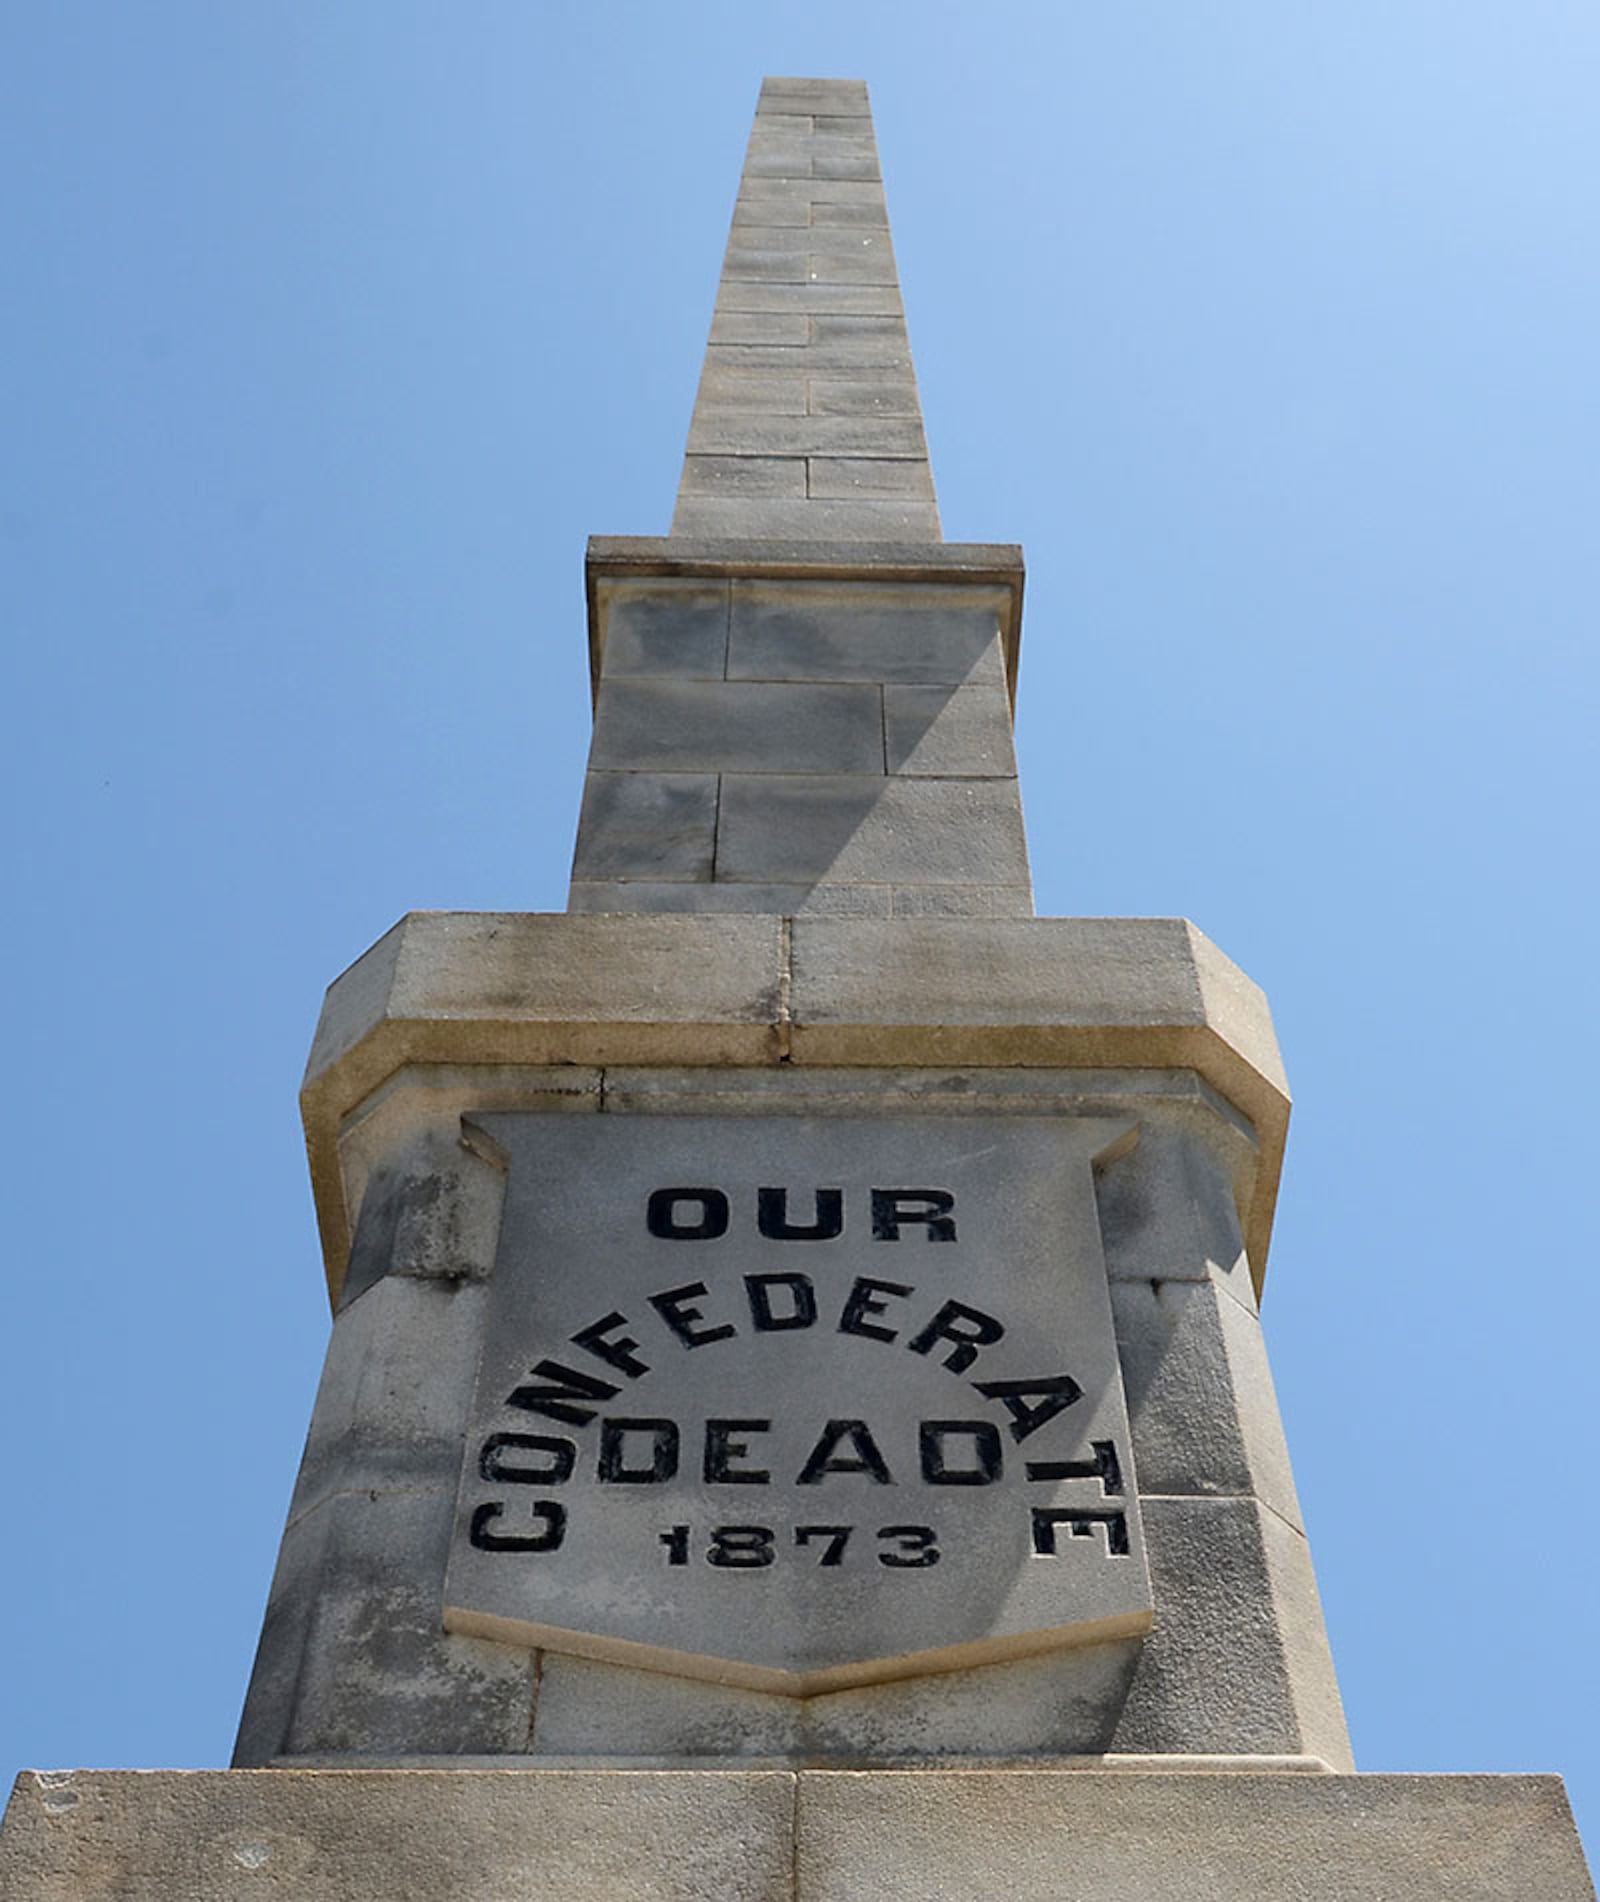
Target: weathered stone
750,432
839,901
853,631
795,1509
874,519
670,627
743,726
948,1837
1200,1398
398,1836
965,733
896,831
640,824
353,1657
396,1386
846,477
740,476
1237,1659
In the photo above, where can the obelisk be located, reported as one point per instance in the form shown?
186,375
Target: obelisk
796,1422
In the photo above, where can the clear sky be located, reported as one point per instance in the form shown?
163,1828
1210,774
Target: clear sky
329,333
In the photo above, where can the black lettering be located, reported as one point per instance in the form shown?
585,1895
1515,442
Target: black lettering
772,1216
930,1207
672,1304
915,1547
966,1328
1080,1524
1103,1466
548,1516
661,1215
861,1303
802,1299
983,1469
618,1354
825,1458
559,1400
722,1447
614,1465
1055,1395
561,1455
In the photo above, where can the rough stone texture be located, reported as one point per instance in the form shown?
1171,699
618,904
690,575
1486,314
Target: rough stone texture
647,825
1107,1838
727,726
353,1657
398,1836
1096,1835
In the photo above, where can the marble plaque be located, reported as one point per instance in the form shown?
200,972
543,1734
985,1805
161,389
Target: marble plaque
798,1403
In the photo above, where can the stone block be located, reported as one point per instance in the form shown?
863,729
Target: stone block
646,825
1168,1212
682,726
781,159
868,520
1064,1703
665,627
430,1210
847,354
960,733
830,241
1237,1660
878,393
903,636
1200,1399
754,326
776,828
845,478
353,1657
1043,1836
398,1836
768,394
878,338
740,476
826,214
862,300
842,164
961,901
780,208
391,1408
773,267
843,901
748,433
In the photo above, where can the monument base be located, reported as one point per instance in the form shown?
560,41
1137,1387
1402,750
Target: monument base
1039,1835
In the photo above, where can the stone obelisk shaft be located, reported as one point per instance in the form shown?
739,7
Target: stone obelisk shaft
803,695
807,423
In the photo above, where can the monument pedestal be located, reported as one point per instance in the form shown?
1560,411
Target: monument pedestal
1037,1835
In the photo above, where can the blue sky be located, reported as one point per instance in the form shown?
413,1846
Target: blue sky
329,334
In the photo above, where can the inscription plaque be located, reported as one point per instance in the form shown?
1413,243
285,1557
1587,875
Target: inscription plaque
798,1403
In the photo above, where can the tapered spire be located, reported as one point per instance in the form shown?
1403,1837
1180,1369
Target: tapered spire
807,425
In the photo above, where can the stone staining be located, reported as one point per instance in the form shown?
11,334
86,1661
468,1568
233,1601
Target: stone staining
794,1429
803,703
